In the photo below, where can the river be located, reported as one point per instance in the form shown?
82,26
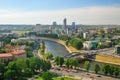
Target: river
55,48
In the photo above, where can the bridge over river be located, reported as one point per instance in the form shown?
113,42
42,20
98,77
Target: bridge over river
81,56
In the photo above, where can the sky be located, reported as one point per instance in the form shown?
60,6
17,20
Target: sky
91,12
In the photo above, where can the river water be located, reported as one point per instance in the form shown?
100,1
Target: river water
59,50
55,48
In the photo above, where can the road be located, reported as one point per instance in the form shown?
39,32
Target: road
81,75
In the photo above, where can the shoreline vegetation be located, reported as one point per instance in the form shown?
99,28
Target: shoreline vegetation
99,58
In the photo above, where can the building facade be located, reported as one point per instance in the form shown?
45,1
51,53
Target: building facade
15,54
117,49
90,45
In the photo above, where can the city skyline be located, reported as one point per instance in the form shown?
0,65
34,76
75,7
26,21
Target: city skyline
45,12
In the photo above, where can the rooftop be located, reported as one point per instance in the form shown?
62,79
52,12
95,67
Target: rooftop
18,52
6,55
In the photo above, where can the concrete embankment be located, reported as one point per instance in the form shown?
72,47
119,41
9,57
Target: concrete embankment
108,59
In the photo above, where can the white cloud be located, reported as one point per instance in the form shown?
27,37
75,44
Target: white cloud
88,15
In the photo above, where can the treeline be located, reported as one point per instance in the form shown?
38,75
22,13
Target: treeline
7,39
31,44
106,69
48,35
69,63
64,37
23,68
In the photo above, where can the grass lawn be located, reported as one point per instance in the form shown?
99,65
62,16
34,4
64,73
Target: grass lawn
58,78
108,59
75,50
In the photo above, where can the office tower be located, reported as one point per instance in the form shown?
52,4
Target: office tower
54,23
64,23
73,25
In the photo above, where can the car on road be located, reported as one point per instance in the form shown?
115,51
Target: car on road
74,71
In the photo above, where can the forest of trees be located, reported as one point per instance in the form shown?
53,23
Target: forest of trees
20,69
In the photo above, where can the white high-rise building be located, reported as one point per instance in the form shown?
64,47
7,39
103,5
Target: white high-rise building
86,35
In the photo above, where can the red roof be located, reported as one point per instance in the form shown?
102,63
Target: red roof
18,52
12,53
6,55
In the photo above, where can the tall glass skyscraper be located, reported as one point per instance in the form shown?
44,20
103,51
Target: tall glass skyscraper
64,23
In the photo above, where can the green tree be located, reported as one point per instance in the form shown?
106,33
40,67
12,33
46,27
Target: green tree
35,64
64,37
67,63
11,72
2,70
117,71
47,76
87,65
75,63
48,35
46,65
56,59
96,68
105,69
31,44
76,43
21,65
61,61
111,70
70,63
